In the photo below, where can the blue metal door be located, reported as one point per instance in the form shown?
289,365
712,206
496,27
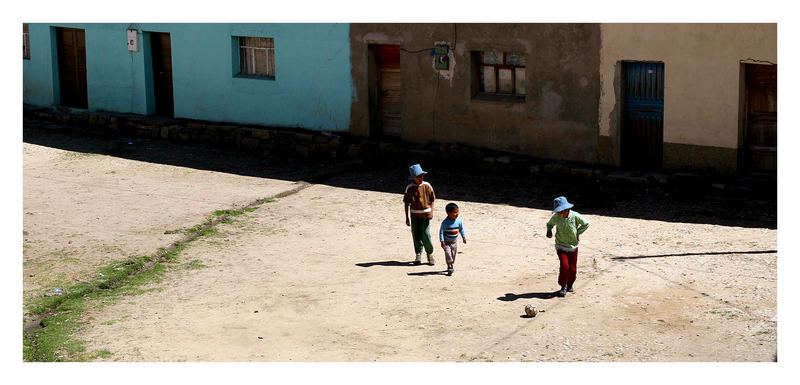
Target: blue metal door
643,116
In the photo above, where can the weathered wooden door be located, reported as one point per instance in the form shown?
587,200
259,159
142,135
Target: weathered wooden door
643,116
71,47
161,52
389,89
761,127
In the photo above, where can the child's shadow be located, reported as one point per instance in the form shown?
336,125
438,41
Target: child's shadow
385,263
423,273
513,297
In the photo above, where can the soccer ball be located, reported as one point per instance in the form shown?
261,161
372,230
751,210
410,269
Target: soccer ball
530,310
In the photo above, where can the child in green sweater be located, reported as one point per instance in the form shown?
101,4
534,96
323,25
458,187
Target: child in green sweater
569,227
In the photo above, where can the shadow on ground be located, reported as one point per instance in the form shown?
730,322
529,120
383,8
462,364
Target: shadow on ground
386,263
513,297
686,204
696,254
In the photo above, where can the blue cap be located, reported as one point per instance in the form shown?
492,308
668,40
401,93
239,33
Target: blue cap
415,171
561,204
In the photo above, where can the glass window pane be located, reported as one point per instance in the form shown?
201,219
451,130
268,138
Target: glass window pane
489,84
250,61
515,59
519,81
491,57
271,56
243,60
505,85
261,62
269,42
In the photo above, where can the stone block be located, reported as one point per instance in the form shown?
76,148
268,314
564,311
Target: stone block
685,177
260,133
354,150
501,168
250,143
423,154
626,177
657,177
319,150
556,169
582,172
387,147
97,119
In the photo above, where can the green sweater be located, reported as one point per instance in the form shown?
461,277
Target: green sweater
568,229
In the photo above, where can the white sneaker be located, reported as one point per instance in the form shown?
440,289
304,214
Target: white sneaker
418,260
431,261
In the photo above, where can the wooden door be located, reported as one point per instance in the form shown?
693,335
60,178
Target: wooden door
161,52
761,128
643,116
389,85
71,47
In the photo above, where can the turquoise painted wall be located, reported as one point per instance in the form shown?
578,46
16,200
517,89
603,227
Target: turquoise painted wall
312,88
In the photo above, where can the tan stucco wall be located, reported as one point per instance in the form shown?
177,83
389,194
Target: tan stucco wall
702,77
557,120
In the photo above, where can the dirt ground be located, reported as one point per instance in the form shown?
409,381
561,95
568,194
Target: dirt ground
324,274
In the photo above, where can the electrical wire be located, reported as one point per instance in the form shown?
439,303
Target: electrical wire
455,37
417,51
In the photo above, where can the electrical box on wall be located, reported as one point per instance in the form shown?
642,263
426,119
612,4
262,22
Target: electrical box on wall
440,54
133,40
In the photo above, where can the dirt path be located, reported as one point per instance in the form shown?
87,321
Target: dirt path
323,274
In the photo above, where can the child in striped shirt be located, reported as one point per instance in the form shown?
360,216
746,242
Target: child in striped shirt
448,235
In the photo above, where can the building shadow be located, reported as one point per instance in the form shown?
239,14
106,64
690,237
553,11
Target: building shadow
682,204
691,254
540,295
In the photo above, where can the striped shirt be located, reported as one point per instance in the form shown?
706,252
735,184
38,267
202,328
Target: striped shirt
419,197
450,228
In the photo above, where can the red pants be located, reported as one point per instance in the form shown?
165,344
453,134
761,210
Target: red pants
569,267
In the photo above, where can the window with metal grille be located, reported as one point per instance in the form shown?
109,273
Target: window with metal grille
501,73
26,42
257,57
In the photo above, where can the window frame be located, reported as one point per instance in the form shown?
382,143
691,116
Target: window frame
26,42
250,53
480,94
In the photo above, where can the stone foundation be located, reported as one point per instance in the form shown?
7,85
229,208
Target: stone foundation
327,147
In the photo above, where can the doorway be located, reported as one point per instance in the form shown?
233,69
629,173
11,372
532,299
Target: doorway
643,115
71,53
761,119
385,90
161,54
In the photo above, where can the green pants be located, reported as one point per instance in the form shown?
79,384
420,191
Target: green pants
420,231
